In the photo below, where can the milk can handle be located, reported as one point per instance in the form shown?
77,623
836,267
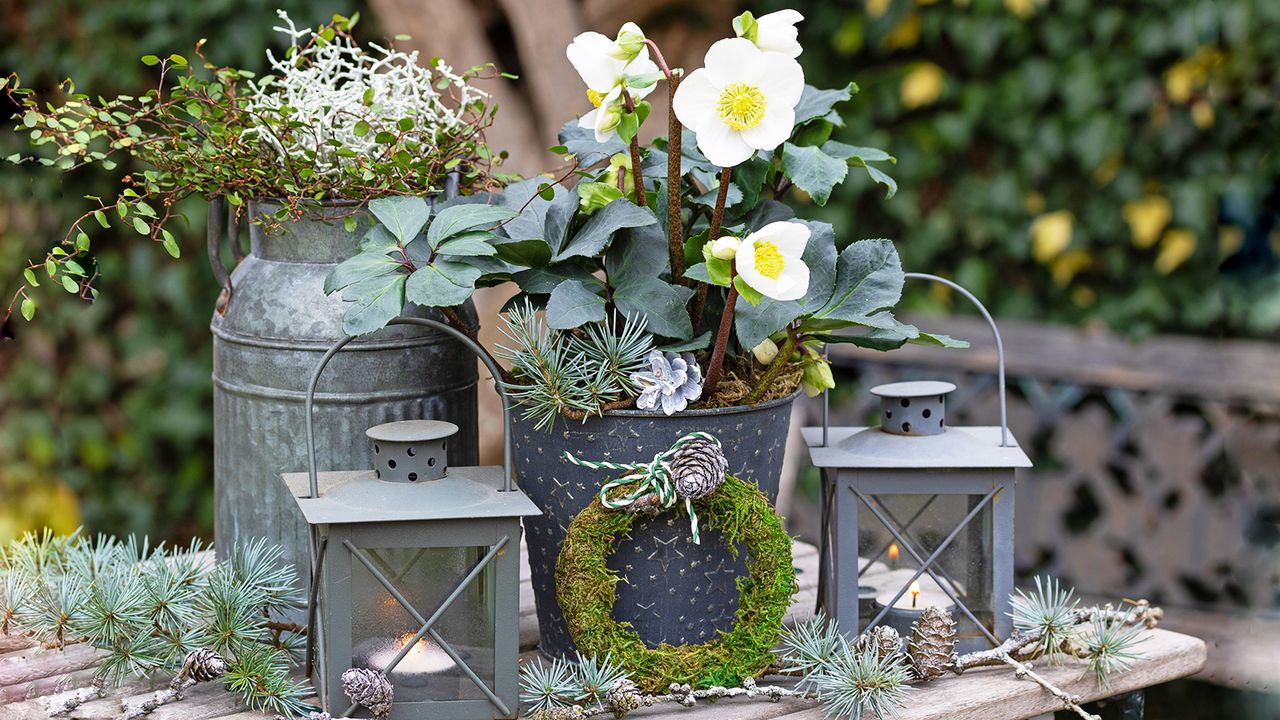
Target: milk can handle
508,482
1004,417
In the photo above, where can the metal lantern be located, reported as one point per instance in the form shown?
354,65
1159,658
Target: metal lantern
415,569
918,513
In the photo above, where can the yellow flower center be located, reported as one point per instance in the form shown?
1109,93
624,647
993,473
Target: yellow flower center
741,106
769,262
595,97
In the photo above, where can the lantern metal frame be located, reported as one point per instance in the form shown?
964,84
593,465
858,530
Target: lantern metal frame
340,534
989,481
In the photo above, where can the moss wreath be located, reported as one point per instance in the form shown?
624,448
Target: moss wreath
586,593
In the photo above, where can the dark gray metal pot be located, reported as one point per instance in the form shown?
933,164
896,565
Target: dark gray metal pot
671,590
271,329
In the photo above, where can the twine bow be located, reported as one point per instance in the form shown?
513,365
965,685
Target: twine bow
651,477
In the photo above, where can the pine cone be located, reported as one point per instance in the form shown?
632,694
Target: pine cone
369,689
885,639
203,665
623,697
698,468
933,643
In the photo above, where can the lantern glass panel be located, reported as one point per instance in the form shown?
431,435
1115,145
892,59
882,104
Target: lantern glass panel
924,523
425,577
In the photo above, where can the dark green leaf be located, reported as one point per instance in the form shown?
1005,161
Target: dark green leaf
573,304
403,215
443,283
598,231
468,244
525,253
702,342
869,280
456,219
813,171
664,305
815,103
366,265
377,301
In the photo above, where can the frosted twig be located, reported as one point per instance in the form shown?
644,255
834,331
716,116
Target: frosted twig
1069,701
158,698
63,703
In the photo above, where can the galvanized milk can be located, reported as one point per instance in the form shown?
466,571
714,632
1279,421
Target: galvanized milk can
272,325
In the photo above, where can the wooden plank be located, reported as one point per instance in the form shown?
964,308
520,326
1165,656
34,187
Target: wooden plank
34,663
995,694
1243,370
1243,652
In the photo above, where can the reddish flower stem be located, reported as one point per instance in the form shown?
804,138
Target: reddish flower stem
716,367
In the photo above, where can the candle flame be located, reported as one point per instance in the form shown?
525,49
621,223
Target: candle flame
915,591
893,552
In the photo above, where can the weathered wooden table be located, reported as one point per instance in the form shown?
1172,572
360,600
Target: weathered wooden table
29,674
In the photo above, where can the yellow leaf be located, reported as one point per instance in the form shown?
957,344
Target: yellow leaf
1066,266
922,85
903,35
1051,234
1146,218
876,8
1033,203
1106,172
1084,297
1230,238
1180,81
1202,114
1022,8
1177,245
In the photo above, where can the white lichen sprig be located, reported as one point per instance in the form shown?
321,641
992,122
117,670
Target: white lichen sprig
346,104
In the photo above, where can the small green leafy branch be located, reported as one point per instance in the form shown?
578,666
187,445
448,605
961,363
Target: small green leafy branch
873,674
147,608
328,125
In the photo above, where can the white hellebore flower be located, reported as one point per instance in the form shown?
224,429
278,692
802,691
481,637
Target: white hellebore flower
776,32
769,260
725,247
604,65
742,101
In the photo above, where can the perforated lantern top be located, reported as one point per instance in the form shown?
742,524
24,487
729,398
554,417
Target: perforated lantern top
410,480
914,433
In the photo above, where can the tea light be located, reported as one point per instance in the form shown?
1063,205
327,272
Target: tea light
923,593
421,662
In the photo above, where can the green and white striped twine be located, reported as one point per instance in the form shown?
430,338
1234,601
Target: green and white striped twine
653,477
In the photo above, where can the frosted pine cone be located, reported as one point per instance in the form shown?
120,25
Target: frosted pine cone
698,468
203,665
623,697
672,381
370,689
883,638
933,643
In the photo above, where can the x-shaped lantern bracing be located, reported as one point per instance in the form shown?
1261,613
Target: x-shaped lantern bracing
428,624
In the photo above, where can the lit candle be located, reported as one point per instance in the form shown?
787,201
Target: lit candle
422,661
922,593
893,555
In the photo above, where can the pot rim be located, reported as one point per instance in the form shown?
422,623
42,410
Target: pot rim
704,412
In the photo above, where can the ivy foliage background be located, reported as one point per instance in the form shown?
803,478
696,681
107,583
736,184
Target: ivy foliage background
1079,161
105,410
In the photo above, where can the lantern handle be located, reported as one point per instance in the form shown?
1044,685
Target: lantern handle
995,332
508,455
